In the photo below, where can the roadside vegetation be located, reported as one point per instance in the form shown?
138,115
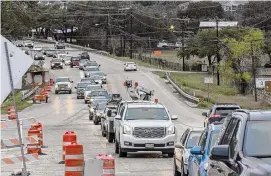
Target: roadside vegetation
193,84
9,102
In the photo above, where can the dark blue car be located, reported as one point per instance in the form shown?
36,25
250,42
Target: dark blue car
198,159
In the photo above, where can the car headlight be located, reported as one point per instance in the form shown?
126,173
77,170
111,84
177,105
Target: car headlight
171,129
98,114
61,63
91,100
91,110
127,130
205,166
56,86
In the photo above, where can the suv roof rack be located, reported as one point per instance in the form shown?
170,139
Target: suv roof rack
226,104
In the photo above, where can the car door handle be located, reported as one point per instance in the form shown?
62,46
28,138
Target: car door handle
219,169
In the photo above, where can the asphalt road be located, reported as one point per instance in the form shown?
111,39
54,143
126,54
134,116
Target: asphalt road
66,113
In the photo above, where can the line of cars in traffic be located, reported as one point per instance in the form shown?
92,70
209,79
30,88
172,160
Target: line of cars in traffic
234,142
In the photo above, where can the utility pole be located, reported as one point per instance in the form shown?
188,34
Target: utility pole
110,29
253,70
183,43
217,53
107,32
131,34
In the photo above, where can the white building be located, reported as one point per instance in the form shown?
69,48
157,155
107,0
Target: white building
221,24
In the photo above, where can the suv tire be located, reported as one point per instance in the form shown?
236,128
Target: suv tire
110,137
86,102
70,91
95,122
90,117
183,174
56,92
116,147
121,153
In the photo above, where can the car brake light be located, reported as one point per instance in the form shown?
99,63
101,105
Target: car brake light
215,115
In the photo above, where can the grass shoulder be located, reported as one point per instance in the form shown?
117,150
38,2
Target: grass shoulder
21,105
193,84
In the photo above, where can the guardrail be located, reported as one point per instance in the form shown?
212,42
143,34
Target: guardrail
187,96
29,93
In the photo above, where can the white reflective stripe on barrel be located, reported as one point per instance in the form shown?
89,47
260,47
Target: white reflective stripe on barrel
64,152
34,146
74,156
108,171
67,143
74,169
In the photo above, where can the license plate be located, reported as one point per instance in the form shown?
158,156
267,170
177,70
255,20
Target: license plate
149,145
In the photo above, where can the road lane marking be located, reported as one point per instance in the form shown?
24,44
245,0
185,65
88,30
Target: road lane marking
82,74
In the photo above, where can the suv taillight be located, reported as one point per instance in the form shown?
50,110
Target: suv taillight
215,116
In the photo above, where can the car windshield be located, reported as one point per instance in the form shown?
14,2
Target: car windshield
90,88
88,80
75,58
225,111
82,85
39,54
101,106
257,140
95,77
62,80
129,63
91,64
146,114
56,60
99,94
99,73
91,69
83,60
193,139
212,140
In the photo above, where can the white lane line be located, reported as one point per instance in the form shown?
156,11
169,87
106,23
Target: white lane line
82,74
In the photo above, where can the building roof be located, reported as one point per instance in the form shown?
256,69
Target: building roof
212,24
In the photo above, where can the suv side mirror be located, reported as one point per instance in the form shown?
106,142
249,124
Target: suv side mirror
196,150
220,153
75,87
109,113
204,114
174,117
117,117
71,81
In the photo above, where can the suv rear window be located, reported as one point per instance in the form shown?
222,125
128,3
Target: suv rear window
225,111
146,114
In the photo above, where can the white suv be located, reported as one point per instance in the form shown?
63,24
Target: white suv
144,126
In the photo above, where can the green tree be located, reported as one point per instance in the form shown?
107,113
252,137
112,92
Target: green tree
240,55
267,44
257,14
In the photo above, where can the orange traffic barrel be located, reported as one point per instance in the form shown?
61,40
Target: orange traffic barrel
11,116
11,109
74,160
108,164
38,126
68,138
33,148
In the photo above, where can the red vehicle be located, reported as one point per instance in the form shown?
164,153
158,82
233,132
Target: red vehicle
75,61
